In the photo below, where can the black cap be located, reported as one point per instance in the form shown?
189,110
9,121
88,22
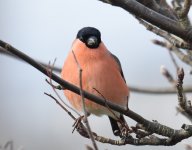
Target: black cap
90,36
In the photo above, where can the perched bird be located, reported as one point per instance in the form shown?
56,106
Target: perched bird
102,76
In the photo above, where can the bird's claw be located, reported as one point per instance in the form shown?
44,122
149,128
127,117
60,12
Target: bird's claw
125,132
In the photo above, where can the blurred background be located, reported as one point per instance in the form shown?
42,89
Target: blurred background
44,30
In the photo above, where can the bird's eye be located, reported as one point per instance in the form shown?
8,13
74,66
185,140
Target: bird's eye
81,38
92,42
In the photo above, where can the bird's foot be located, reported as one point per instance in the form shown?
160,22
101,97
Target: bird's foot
125,131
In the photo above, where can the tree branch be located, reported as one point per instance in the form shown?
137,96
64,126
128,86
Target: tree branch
153,17
153,127
145,140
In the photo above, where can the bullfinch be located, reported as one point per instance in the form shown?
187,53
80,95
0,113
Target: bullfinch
101,75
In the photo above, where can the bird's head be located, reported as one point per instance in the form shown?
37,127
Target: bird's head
90,36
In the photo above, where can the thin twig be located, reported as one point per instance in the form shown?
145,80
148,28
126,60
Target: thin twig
80,128
83,104
106,104
177,42
174,61
167,75
49,72
183,57
68,112
58,87
123,124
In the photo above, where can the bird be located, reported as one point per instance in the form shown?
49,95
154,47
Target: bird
102,76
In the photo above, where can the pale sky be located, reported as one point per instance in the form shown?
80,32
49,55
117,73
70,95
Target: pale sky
45,29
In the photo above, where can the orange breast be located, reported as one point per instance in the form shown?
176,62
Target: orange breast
100,72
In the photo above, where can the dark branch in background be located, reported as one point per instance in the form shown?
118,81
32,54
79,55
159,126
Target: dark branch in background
187,89
9,144
173,136
4,52
143,90
153,17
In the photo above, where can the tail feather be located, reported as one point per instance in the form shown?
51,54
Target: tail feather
117,125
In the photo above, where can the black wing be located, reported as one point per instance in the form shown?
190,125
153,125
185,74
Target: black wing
114,124
118,62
